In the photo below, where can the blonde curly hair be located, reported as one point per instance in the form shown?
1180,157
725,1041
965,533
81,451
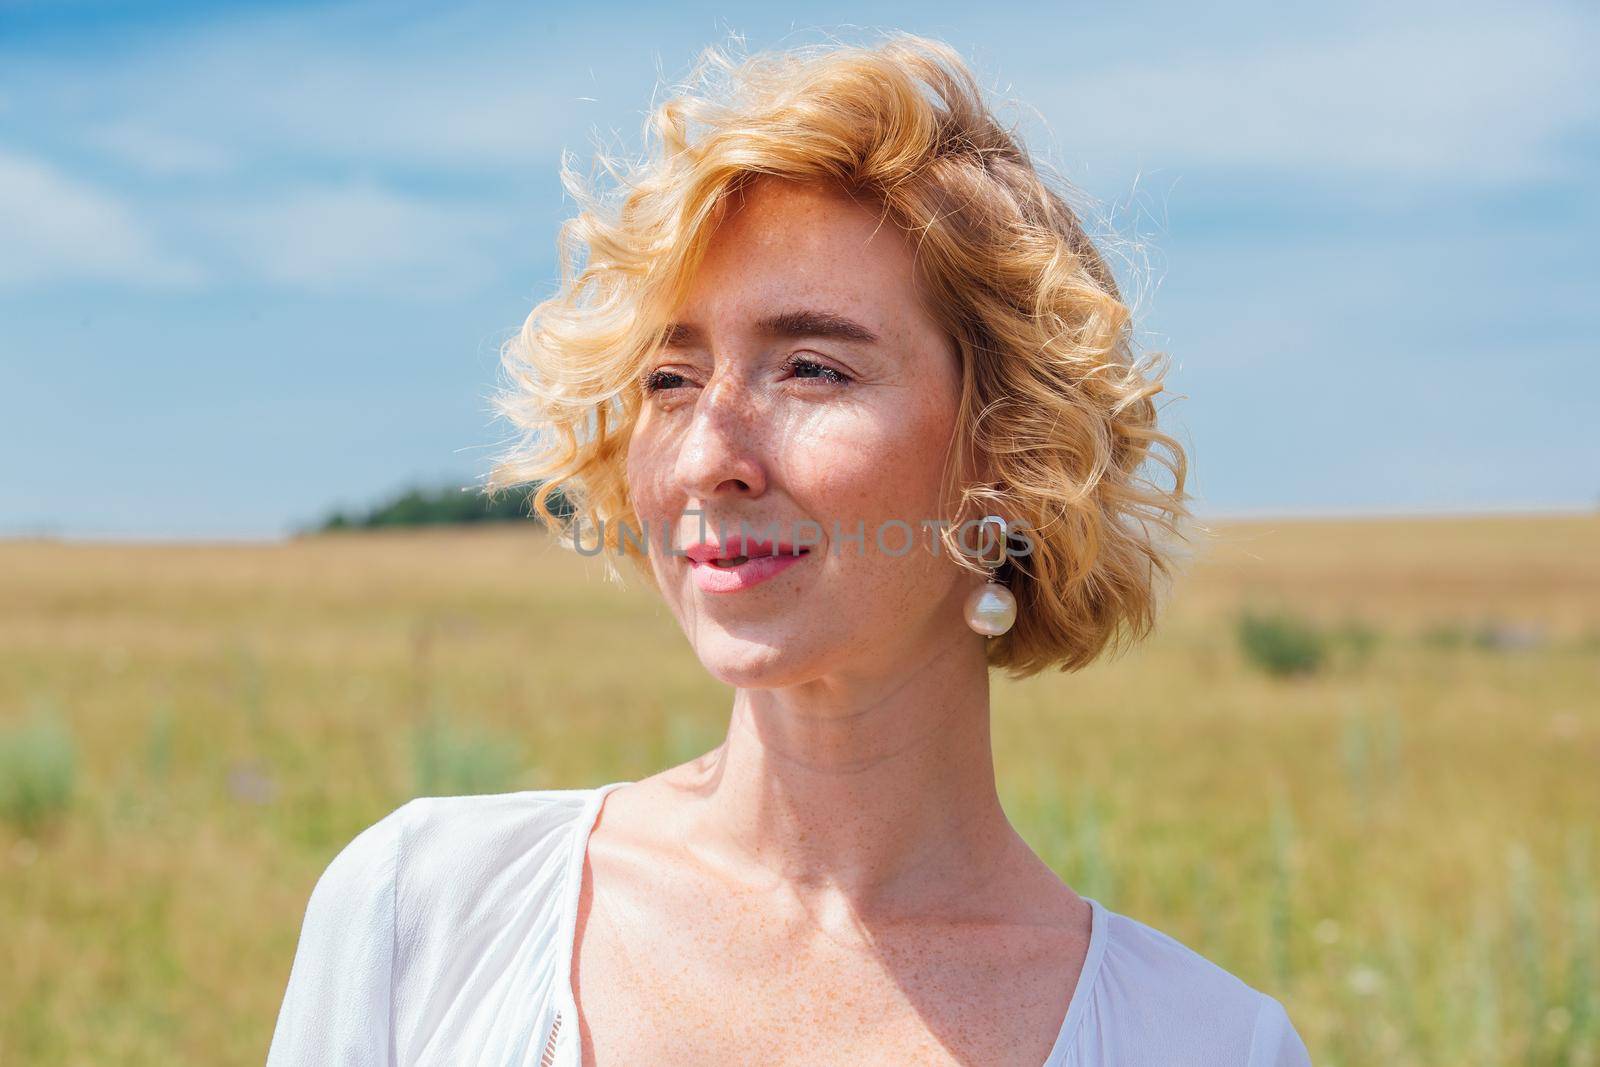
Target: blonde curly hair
1057,418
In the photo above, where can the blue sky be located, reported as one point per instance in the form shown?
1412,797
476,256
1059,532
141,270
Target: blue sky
256,260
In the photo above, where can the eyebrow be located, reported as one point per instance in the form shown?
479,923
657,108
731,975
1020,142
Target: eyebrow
802,322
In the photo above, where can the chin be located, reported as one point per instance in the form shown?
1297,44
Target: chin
745,663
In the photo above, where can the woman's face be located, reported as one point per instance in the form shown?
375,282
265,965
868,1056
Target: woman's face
804,397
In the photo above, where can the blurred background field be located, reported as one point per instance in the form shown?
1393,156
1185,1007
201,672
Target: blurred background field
1357,765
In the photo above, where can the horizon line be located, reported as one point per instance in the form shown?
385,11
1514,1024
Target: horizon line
1262,514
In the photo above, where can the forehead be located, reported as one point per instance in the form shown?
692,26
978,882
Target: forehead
780,242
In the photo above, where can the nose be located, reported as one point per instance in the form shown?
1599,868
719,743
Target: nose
719,454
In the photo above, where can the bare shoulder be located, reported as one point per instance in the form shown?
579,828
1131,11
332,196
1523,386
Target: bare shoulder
638,820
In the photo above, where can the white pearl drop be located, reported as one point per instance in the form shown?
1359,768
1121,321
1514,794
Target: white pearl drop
991,609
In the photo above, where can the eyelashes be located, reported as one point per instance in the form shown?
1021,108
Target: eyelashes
797,362
800,366
657,380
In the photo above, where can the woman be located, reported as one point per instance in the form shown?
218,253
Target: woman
840,308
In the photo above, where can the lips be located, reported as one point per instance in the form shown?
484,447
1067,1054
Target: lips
739,563
739,549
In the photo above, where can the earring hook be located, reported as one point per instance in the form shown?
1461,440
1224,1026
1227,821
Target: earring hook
1002,542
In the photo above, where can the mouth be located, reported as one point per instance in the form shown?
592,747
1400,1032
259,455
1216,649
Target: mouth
738,550
739,563
729,562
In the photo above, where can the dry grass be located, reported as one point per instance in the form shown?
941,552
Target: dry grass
1401,846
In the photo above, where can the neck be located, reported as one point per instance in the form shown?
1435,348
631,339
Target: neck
876,788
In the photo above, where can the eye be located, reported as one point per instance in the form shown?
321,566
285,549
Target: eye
805,367
656,381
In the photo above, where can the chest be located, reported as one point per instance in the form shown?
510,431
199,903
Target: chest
729,985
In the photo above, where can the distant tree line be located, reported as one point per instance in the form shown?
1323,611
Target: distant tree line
445,506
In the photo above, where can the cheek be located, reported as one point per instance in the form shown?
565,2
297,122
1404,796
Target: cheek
647,472
874,464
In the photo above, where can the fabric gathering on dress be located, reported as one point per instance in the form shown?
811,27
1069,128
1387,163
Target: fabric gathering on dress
443,935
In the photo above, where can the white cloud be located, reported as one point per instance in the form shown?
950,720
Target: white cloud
1468,99
268,87
268,114
160,152
1463,94
54,227
358,237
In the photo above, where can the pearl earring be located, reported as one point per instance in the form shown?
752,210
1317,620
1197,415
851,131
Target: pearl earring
991,608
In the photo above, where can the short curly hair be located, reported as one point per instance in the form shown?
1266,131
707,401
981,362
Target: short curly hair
1057,419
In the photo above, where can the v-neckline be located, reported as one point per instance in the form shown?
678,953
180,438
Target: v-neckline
567,1010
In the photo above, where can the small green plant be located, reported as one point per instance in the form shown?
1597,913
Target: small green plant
1445,637
38,767
1583,972
688,737
1281,644
1358,639
1355,748
158,744
1280,918
451,760
1486,967
1527,940
1095,876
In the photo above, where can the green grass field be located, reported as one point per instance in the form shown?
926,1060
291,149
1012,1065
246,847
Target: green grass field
1400,843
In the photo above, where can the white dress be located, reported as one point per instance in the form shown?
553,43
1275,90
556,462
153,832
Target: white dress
443,935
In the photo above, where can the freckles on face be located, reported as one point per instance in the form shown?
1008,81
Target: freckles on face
746,415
